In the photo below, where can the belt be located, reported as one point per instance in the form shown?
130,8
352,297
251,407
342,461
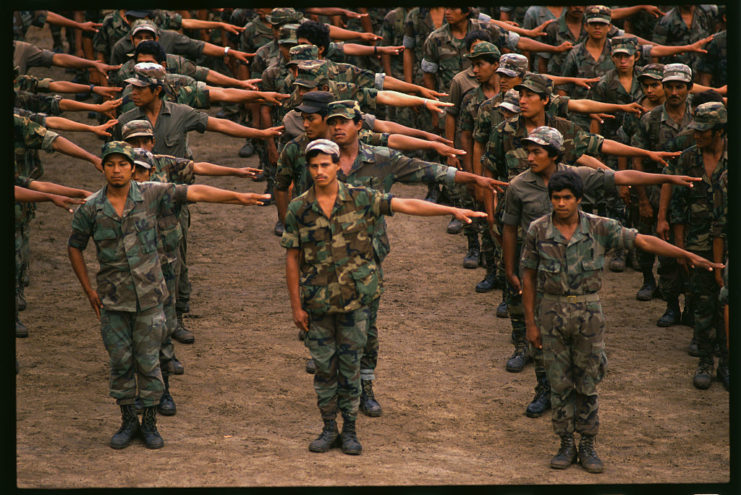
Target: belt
572,299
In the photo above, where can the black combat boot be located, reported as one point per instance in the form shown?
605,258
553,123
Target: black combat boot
278,229
521,356
433,193
175,367
368,403
672,314
269,190
247,150
310,366
455,226
152,438
648,289
490,280
167,404
542,400
503,309
617,263
182,334
704,374
328,438
20,302
350,443
129,428
471,259
588,456
566,455
693,350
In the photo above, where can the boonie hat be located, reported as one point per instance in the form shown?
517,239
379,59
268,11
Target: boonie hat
310,73
708,115
545,136
324,145
283,15
287,34
136,128
483,48
303,52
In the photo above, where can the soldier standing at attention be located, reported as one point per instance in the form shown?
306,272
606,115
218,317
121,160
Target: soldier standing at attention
562,259
333,276
122,220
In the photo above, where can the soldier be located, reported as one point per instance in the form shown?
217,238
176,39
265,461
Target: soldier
712,68
26,55
695,229
121,218
332,286
562,260
685,24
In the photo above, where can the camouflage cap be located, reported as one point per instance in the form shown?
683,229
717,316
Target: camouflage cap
347,109
147,74
536,83
708,115
120,147
287,34
315,102
143,158
677,72
324,145
303,52
654,71
136,128
623,44
511,101
598,13
512,65
311,73
483,48
283,15
143,25
545,136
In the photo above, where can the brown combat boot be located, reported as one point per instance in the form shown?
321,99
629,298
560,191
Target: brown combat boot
566,455
588,456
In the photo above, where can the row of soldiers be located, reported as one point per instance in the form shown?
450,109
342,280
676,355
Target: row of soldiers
567,68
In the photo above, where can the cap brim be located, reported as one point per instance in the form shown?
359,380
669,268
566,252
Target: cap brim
530,87
537,141
598,20
138,134
344,116
308,108
288,42
699,126
622,50
655,77
510,107
305,83
675,78
139,30
136,82
506,72
143,164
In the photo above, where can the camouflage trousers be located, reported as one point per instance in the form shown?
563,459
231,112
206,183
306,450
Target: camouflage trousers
491,251
170,272
336,344
574,352
708,328
133,342
517,316
22,256
182,300
370,353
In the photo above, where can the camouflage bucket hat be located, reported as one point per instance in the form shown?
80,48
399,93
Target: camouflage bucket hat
545,136
147,74
324,145
143,158
283,15
303,52
536,83
623,44
311,73
287,34
677,72
708,115
654,71
143,25
511,101
120,147
598,13
136,128
512,65
483,48
348,109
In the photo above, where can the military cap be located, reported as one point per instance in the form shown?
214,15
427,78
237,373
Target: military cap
623,44
324,145
311,73
537,83
120,147
654,71
287,34
283,15
598,13
143,25
677,72
147,74
512,65
136,128
511,101
484,48
138,14
315,102
708,115
347,109
143,158
545,136
303,52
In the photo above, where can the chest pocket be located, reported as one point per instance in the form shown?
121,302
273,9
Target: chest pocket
172,140
106,242
358,240
146,235
592,274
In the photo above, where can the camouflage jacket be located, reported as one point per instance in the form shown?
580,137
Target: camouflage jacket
266,55
572,267
48,104
610,90
671,30
278,78
695,206
130,275
558,32
178,89
417,27
30,135
116,27
715,62
26,55
392,31
348,73
470,106
171,42
32,84
176,64
256,34
658,132
23,19
338,270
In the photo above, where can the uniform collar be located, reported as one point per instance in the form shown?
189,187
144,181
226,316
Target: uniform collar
581,232
343,196
106,207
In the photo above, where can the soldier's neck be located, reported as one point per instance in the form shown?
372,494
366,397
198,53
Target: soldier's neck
535,121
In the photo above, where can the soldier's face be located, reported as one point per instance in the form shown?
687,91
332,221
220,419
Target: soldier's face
263,12
143,36
538,158
144,142
343,131
483,70
653,89
118,170
141,174
703,139
506,82
676,92
596,30
506,113
531,103
323,170
623,62
565,204
315,125
143,95
148,57
454,16
575,11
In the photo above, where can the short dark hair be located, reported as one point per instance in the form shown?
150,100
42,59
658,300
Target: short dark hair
476,35
706,96
316,32
566,179
312,153
150,47
487,58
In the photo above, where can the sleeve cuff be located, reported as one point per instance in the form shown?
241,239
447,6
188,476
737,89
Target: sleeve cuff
450,176
429,67
408,42
380,77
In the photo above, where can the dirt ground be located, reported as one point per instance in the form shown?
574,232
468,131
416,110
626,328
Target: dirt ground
247,409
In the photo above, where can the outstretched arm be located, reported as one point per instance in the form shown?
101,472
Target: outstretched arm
611,147
208,194
24,195
397,99
423,208
52,188
636,178
64,145
658,246
226,126
205,168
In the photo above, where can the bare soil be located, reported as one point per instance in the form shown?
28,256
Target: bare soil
247,409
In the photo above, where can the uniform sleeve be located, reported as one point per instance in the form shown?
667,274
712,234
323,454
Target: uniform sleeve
678,205
38,57
530,258
413,170
431,58
661,31
587,143
482,123
196,121
620,237
290,238
455,98
466,120
381,203
82,229
597,183
188,47
182,171
512,207
719,224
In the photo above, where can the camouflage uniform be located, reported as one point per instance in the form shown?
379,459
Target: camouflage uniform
171,42
115,26
256,34
392,31
178,89
417,26
339,279
23,19
715,62
671,30
569,315
48,104
176,64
